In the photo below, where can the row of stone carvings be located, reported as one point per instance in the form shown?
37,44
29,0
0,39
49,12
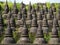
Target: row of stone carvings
34,21
39,29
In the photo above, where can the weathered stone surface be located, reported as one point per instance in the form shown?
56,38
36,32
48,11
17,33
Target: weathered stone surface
24,39
33,28
12,23
19,17
8,39
6,10
39,35
45,9
54,35
55,21
39,17
14,10
45,25
9,15
29,18
49,19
